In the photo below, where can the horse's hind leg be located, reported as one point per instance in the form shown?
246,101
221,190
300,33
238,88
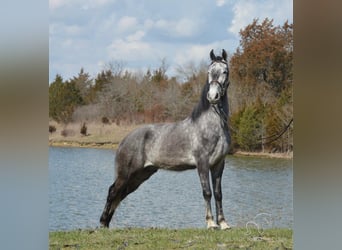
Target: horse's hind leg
113,200
121,188
137,178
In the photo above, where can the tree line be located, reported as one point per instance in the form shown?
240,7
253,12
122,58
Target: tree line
260,94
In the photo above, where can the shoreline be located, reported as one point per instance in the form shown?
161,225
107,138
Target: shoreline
78,144
109,136
114,146
288,156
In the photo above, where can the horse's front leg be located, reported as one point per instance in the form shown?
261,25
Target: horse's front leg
204,178
216,176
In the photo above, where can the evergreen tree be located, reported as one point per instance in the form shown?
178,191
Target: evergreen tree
84,83
64,97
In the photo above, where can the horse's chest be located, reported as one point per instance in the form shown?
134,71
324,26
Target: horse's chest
219,150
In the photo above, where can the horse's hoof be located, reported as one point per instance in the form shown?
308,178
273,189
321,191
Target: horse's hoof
224,226
212,225
103,223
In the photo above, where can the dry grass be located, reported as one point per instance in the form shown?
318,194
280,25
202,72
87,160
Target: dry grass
98,135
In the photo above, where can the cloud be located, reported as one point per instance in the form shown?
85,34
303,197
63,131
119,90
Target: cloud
65,30
125,49
220,2
193,53
73,30
137,36
127,23
243,13
247,10
84,32
148,23
55,4
107,23
183,27
199,52
82,4
91,4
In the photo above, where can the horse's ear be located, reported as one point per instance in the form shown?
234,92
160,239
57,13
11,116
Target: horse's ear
224,55
212,55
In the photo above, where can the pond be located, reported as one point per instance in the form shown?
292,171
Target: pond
257,192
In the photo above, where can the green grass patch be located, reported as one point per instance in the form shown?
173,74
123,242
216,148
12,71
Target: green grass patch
154,238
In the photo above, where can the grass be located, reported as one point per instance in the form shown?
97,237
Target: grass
98,135
153,238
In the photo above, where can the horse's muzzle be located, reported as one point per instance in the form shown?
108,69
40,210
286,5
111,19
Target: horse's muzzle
213,94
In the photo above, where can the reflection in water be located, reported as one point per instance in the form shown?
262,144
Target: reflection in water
255,190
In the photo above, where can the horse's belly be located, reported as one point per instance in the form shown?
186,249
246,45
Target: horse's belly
173,162
177,167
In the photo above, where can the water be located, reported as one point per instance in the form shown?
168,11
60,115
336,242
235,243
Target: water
257,192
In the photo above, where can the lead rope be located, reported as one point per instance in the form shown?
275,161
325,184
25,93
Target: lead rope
220,112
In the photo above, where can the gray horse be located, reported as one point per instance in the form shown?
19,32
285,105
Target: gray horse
200,141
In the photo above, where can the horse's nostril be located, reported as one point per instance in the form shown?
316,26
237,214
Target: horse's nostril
216,96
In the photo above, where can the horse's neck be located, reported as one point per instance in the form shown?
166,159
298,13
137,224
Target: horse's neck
219,111
203,105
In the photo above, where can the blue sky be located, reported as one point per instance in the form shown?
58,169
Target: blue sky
140,33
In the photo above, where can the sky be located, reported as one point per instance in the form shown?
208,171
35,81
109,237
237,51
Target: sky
139,34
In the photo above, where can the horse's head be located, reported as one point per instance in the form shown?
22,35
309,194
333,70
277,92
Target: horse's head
218,75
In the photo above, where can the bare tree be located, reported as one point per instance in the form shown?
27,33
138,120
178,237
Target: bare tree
116,67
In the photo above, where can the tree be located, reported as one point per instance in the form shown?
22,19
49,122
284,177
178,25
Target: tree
159,77
84,83
64,97
250,128
195,76
104,77
261,77
265,55
55,97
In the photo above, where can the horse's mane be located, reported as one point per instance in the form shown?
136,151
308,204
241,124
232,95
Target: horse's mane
202,105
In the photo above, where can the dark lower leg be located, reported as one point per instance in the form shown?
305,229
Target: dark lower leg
120,189
113,200
108,212
209,215
204,178
216,175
